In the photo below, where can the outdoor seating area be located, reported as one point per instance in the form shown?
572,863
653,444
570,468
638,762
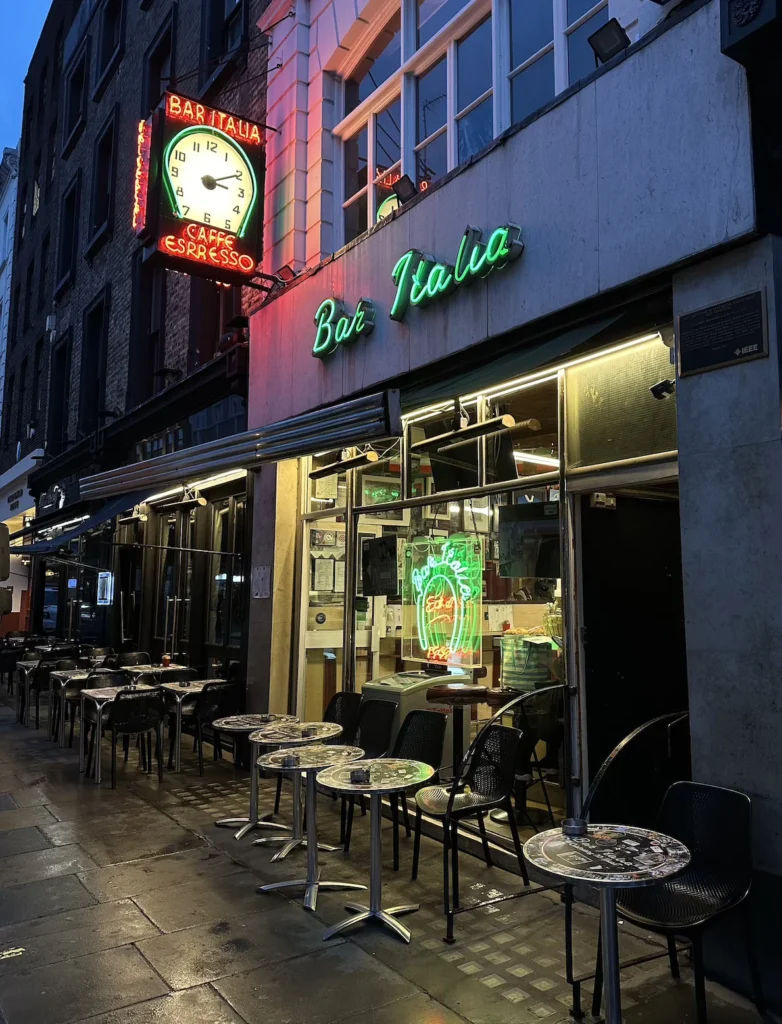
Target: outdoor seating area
306,775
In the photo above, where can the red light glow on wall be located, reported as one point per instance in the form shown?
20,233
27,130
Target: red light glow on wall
178,108
209,247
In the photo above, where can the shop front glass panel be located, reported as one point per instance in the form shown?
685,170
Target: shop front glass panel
611,413
237,576
324,578
327,492
167,576
531,445
221,564
187,580
51,599
445,465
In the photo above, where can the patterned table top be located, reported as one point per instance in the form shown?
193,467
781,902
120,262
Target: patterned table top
290,734
619,856
312,757
110,692
155,669
386,775
194,686
248,723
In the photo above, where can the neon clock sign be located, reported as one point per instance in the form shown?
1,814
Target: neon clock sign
442,599
196,195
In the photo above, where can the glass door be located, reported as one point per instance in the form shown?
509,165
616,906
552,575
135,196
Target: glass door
174,588
225,589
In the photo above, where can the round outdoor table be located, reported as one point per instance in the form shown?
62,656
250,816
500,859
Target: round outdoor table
248,724
293,734
609,857
457,696
386,775
310,760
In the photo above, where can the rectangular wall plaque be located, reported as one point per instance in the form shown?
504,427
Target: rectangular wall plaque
723,334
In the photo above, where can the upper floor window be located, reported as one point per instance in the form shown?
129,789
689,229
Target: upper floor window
103,174
69,235
109,44
37,185
75,100
228,26
158,66
23,214
474,68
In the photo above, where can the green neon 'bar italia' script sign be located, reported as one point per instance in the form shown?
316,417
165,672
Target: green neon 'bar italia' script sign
334,326
419,279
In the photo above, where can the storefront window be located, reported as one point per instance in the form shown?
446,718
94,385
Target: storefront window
531,446
166,594
220,570
237,576
437,461
326,492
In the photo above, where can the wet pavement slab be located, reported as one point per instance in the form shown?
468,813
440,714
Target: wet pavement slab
128,906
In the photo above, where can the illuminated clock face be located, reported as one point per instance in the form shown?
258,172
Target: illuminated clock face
210,179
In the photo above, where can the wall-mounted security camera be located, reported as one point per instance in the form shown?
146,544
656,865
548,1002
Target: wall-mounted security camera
663,389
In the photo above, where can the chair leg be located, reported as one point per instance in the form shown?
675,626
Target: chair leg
148,741
113,758
91,753
447,884
343,814
171,744
673,957
278,796
395,826
159,751
200,741
216,751
455,862
416,843
349,823
142,752
37,708
406,815
700,979
484,840
73,723
514,829
126,747
597,994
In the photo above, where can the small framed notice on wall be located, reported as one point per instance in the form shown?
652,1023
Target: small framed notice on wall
726,333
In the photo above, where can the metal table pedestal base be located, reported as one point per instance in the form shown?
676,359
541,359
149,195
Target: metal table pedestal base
297,836
610,941
385,915
312,883
245,825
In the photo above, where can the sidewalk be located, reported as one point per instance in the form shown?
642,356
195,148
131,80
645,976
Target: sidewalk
130,907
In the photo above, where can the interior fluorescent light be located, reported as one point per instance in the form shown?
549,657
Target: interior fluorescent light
538,460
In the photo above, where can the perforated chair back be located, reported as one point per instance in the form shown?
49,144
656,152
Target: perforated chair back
133,658
102,680
217,700
28,656
97,652
136,711
421,737
375,720
344,709
66,665
491,768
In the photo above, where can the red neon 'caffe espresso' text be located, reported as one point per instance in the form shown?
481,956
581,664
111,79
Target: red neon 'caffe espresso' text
209,246
181,109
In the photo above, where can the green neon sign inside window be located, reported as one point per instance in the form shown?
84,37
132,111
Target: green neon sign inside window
420,279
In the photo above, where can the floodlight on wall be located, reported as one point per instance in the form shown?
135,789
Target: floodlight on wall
471,432
286,274
609,40
404,189
353,462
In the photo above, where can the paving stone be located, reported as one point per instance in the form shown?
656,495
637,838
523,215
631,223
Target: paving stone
42,898
92,802
41,864
24,817
22,840
67,936
417,1009
231,946
112,883
184,906
74,989
317,988
122,838
194,1006
7,802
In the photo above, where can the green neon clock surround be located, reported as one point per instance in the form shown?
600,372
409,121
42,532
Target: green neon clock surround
419,279
201,129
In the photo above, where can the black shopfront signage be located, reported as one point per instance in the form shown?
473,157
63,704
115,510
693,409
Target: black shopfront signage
723,334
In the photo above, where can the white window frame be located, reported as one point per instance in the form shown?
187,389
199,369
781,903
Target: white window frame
416,62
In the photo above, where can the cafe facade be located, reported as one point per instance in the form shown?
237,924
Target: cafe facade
568,331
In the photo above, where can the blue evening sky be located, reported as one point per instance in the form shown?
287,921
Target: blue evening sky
21,22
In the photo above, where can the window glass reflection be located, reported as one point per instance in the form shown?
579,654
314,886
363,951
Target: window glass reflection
473,65
432,102
355,156
381,61
580,55
532,88
433,14
476,130
431,162
531,28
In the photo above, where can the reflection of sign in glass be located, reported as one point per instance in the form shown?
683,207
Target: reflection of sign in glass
105,588
442,594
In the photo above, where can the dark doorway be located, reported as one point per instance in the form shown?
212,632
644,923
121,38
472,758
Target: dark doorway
634,647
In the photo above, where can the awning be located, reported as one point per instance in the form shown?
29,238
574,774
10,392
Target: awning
360,420
109,510
514,363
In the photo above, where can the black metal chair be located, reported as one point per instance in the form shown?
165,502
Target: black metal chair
130,658
64,665
133,712
217,700
483,781
179,675
40,683
715,825
94,681
420,738
375,721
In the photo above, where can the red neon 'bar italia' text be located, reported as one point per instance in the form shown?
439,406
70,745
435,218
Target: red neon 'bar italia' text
189,111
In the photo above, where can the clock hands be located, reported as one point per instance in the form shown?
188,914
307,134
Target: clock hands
212,183
225,177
